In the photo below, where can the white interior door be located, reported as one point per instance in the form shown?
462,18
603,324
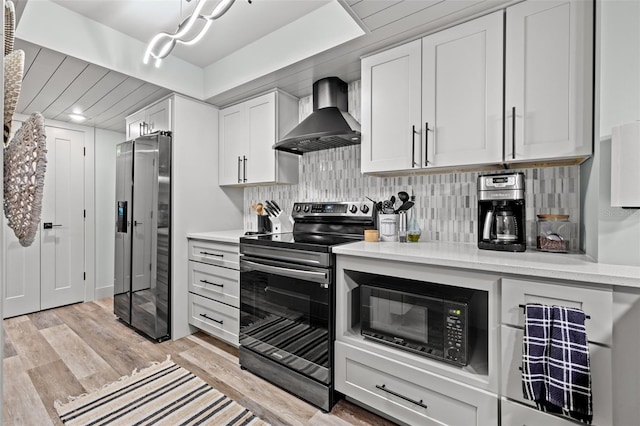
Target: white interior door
21,269
62,245
21,275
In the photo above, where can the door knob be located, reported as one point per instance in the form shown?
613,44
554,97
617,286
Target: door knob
136,223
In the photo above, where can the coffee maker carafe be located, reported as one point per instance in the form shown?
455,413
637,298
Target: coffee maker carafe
501,212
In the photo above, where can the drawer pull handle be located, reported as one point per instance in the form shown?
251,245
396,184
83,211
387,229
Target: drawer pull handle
413,401
524,306
209,318
206,253
209,282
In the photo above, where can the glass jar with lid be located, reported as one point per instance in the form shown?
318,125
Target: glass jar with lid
554,233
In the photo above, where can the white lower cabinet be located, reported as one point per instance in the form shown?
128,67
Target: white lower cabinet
411,395
215,318
600,360
514,414
214,288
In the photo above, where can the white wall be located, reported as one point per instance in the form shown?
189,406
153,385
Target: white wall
618,229
105,194
199,204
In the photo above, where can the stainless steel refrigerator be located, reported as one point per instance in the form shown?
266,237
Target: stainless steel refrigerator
142,285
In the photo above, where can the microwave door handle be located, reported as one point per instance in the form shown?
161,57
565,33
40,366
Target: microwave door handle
320,277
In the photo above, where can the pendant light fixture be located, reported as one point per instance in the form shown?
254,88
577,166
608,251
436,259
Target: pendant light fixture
190,31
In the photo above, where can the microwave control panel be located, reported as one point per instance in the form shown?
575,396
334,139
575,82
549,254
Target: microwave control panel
455,335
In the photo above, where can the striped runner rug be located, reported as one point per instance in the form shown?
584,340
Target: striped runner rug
163,394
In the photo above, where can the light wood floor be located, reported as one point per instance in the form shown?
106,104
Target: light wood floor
68,351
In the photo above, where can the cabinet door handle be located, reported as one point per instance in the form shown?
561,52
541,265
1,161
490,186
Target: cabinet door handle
209,282
239,162
426,143
413,147
413,401
513,133
140,129
211,319
206,253
244,170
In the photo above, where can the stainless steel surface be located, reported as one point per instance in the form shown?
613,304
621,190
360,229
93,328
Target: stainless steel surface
501,212
308,389
122,279
141,294
356,210
329,126
287,255
319,276
501,187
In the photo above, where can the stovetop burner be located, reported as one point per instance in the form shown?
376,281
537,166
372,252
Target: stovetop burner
301,241
318,226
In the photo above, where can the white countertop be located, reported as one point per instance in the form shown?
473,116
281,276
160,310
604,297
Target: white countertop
574,267
230,236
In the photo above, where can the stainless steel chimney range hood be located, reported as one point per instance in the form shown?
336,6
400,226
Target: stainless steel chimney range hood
328,126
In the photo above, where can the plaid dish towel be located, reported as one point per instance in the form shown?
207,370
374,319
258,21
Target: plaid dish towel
569,372
535,352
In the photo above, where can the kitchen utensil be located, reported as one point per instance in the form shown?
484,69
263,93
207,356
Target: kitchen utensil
273,210
276,206
393,200
405,206
403,196
375,203
270,210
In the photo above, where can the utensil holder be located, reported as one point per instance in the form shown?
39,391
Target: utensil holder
264,224
388,227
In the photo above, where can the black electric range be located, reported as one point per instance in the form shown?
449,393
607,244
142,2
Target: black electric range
287,298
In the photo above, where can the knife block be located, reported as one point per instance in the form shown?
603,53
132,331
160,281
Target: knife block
281,224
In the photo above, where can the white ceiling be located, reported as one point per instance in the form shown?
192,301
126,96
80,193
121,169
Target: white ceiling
62,74
242,24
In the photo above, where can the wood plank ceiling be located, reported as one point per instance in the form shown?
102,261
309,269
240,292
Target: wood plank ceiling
56,85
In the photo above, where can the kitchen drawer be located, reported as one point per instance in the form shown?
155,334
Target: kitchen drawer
514,414
220,254
511,385
595,302
215,282
411,395
217,319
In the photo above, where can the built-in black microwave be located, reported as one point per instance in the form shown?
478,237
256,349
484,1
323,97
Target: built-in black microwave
422,318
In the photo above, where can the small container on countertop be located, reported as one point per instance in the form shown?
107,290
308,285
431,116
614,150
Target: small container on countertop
371,235
554,233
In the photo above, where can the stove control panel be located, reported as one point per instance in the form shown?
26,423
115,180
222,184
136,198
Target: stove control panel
339,208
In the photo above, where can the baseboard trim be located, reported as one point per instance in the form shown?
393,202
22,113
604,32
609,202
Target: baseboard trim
102,292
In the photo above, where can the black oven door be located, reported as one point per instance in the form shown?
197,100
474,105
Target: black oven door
286,314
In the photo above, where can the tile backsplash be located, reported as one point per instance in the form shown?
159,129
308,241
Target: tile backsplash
446,203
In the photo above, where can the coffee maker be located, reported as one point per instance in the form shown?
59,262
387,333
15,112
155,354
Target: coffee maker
501,212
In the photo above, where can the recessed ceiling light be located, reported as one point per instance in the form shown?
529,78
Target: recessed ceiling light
77,117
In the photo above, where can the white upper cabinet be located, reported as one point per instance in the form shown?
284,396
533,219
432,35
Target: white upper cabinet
248,132
435,102
462,94
156,117
548,80
391,108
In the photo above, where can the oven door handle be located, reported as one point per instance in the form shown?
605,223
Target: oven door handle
319,277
